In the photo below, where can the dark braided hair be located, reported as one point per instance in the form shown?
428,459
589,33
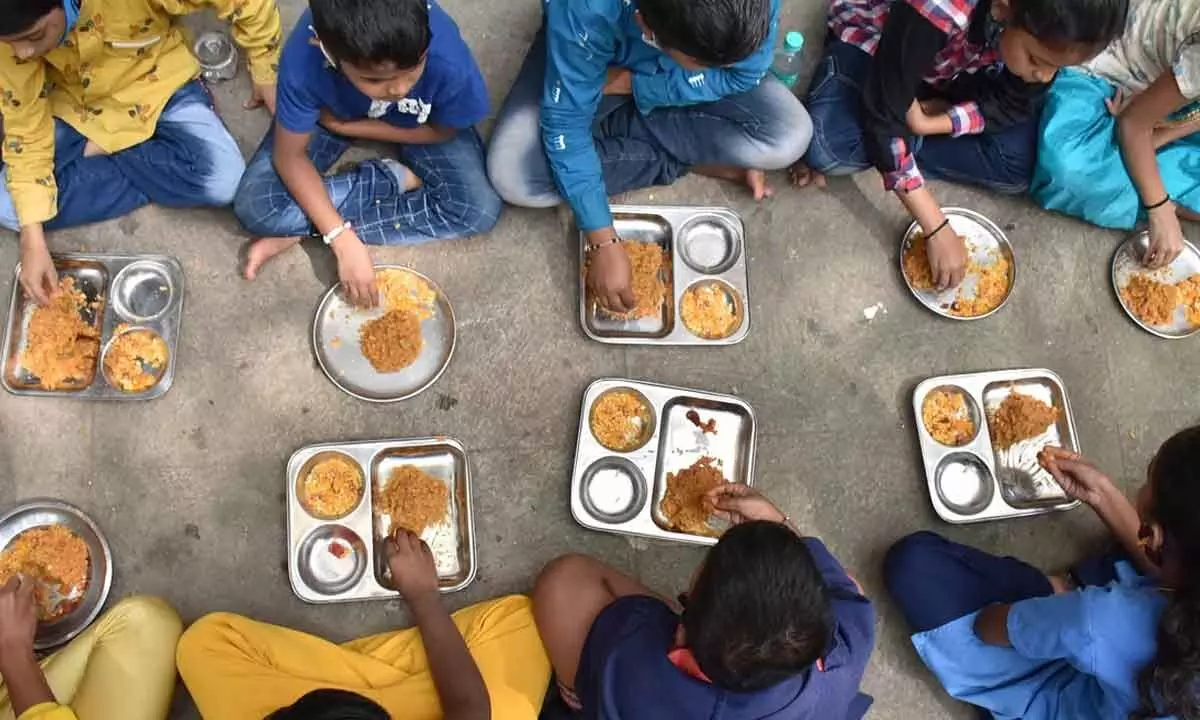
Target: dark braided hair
330,704
1170,684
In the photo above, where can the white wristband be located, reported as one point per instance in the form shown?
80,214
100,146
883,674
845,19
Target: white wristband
333,234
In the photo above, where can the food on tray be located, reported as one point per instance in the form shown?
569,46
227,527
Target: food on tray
707,427
135,359
992,279
1189,296
708,311
61,347
648,261
59,563
332,487
1153,302
1020,417
402,290
391,342
413,499
947,418
685,504
620,420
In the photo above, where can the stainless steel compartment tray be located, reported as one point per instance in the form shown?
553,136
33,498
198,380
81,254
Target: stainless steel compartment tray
143,291
702,244
975,482
620,492
357,571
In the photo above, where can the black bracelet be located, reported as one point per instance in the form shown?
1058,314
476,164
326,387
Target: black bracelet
1158,204
938,229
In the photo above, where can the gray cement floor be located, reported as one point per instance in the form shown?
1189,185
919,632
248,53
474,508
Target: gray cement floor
189,487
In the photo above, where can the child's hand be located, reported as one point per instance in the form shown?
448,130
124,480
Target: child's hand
410,560
38,276
18,619
262,95
1166,237
1077,477
1118,102
738,502
947,254
355,269
610,277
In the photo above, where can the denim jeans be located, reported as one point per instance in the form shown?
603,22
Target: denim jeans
766,128
190,161
454,200
1000,160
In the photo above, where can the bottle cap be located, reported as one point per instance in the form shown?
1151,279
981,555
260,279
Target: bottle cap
794,41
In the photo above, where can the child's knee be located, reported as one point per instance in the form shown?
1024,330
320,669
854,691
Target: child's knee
221,187
515,147
908,556
485,209
836,141
790,134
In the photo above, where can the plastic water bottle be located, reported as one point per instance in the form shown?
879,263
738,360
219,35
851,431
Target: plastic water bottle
787,59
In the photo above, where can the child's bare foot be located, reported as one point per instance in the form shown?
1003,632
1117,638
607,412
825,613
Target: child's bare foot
803,176
756,180
262,250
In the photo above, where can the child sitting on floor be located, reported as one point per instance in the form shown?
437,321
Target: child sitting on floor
393,71
1108,644
103,113
1117,142
772,627
951,86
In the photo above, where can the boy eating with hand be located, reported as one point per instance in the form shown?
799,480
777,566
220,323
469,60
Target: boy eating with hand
396,72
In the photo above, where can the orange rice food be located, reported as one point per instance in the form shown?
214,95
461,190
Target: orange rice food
620,420
1153,302
684,505
1189,297
413,499
648,262
61,347
946,417
393,341
1020,417
135,359
56,559
992,280
332,488
708,311
403,290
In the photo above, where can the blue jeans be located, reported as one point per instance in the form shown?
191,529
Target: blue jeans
190,161
1000,160
454,200
766,128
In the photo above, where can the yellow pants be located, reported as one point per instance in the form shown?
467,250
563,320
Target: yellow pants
123,666
237,668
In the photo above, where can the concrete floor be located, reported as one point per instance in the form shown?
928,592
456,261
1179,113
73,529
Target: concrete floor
190,487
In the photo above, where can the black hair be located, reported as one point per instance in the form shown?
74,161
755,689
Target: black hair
332,705
18,16
1089,23
371,32
712,32
1170,684
758,612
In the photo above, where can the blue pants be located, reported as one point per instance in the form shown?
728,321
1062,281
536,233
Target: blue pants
190,161
1002,160
455,199
935,581
765,128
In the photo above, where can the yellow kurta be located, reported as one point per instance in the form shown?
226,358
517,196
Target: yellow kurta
48,711
110,79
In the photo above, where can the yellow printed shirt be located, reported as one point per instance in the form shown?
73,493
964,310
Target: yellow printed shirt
110,79
48,711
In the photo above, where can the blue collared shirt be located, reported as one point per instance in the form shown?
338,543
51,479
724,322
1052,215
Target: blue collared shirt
586,37
1074,655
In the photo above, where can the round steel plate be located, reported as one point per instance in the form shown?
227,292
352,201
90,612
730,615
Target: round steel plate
45,512
1127,260
335,343
984,240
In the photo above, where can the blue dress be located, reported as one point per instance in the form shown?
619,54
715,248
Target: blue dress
1080,170
1073,655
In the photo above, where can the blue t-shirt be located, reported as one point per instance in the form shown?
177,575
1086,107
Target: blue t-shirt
450,92
625,674
1074,655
